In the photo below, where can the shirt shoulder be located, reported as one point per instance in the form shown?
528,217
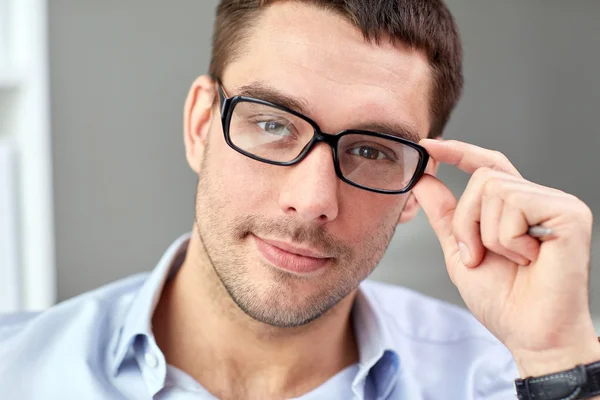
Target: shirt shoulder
419,317
71,319
442,345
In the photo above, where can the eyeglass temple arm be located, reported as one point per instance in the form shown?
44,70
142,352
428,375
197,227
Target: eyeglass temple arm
223,97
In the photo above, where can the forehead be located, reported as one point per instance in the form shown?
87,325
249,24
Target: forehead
316,55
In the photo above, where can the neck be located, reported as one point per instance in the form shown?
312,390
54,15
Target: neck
202,332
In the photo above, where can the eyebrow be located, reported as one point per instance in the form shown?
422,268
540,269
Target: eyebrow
259,90
395,129
262,91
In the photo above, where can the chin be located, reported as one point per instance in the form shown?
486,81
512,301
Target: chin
283,299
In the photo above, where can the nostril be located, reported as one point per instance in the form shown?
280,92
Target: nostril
292,210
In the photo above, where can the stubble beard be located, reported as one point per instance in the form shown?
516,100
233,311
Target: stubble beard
275,301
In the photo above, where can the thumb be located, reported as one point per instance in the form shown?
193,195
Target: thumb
439,204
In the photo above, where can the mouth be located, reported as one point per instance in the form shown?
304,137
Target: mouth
285,256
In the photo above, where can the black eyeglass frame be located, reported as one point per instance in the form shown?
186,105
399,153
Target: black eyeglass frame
228,105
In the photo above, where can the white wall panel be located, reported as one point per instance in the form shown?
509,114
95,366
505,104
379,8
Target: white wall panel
10,282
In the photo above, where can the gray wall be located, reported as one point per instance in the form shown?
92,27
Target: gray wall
120,71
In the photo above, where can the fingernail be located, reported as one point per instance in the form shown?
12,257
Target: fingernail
465,256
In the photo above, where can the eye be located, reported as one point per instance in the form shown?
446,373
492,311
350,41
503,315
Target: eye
370,153
275,128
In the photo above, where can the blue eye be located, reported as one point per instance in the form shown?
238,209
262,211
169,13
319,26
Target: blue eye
275,128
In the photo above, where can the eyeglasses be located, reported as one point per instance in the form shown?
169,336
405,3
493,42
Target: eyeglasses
277,135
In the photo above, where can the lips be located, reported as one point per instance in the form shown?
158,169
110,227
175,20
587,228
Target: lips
291,258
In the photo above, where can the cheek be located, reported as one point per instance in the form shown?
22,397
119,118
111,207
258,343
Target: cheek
247,184
366,215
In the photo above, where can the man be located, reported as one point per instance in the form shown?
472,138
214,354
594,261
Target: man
304,139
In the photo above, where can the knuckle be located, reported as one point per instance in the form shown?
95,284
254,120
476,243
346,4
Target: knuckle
501,157
505,240
481,174
584,212
579,208
503,164
498,155
491,245
490,241
515,199
492,185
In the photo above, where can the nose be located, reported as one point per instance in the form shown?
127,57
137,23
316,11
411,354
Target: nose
310,191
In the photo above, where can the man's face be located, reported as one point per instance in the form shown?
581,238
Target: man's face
259,222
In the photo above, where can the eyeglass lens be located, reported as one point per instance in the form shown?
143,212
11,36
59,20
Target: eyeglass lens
279,136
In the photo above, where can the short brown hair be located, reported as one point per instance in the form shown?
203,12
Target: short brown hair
426,25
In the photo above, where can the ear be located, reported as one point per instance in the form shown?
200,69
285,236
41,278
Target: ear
197,119
411,208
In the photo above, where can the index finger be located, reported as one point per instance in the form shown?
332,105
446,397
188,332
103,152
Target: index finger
467,157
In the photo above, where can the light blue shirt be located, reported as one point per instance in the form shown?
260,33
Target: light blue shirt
100,346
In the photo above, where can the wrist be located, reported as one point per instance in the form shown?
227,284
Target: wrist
537,363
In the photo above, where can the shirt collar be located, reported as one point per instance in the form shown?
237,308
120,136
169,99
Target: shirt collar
138,319
377,358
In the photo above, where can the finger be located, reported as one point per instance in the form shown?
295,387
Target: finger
552,208
491,216
512,233
467,157
438,203
467,217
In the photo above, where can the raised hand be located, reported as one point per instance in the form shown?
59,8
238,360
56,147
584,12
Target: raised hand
532,294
